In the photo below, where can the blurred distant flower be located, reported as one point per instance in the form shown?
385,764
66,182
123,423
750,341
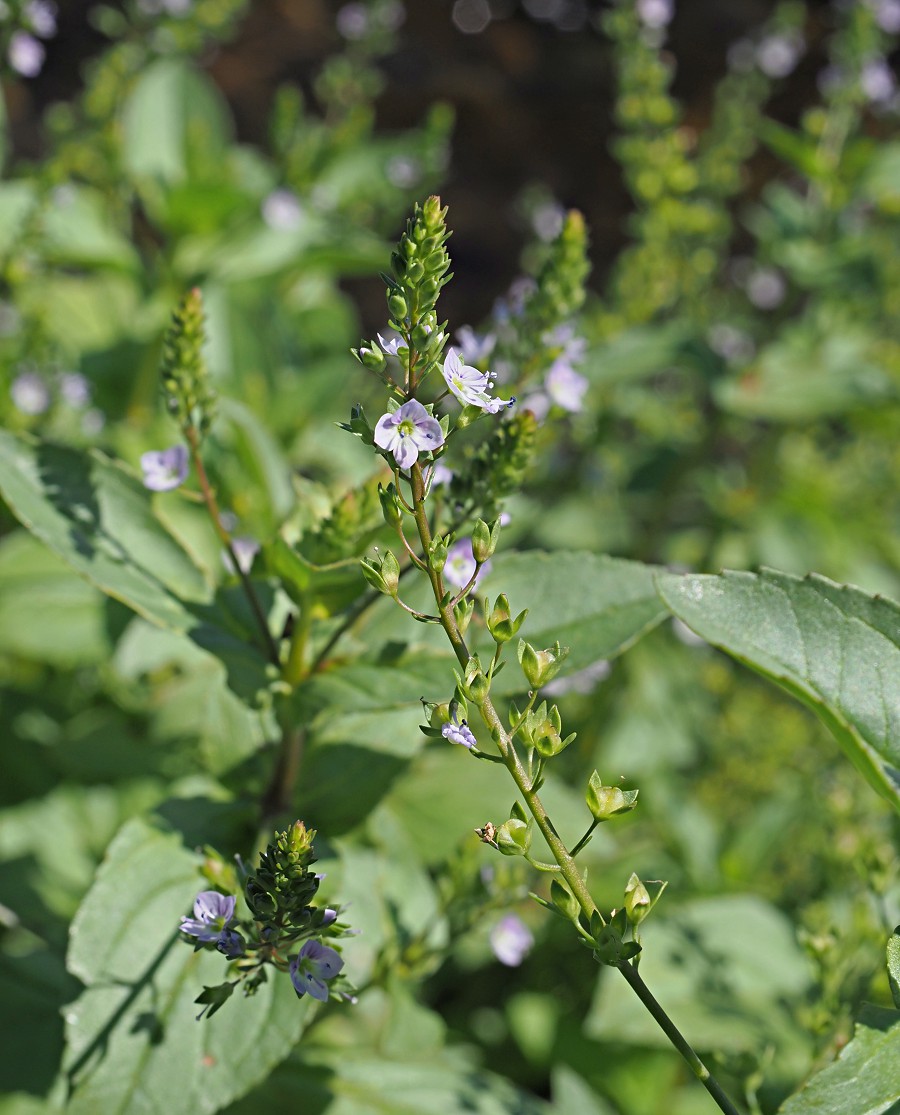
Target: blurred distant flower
165,469
26,54
312,966
460,564
777,55
40,15
30,393
469,385
730,343
353,21
538,402
471,16
511,940
281,210
547,220
887,14
245,550
213,913
877,80
403,171
474,347
655,13
407,432
92,422
458,731
75,390
441,474
766,288
582,681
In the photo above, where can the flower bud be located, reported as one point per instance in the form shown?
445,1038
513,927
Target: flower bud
637,900
484,539
608,801
382,573
437,553
390,505
500,623
371,357
462,613
475,686
540,666
397,305
514,837
564,900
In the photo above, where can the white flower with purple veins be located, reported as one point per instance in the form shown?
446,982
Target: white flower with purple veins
213,913
458,731
410,430
392,347
312,966
460,565
26,54
30,393
165,469
471,386
511,940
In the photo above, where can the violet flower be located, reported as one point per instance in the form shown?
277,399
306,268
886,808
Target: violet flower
312,966
460,563
213,912
511,940
165,469
458,731
407,432
469,385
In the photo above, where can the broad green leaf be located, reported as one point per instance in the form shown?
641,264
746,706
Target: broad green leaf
17,199
47,612
261,456
864,1080
723,969
832,646
133,1043
78,230
172,117
99,519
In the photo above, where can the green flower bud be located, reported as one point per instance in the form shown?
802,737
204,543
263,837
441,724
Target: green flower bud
564,901
540,666
437,553
390,505
475,685
462,613
397,305
382,573
608,801
637,900
371,357
514,837
499,622
484,539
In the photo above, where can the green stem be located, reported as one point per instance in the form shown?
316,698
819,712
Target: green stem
581,843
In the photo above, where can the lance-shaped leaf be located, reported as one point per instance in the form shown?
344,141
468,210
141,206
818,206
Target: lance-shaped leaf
133,1040
833,646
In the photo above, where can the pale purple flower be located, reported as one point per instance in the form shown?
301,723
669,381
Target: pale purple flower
75,390
548,219
391,346
403,171
778,54
511,940
353,21
407,432
469,385
312,966
877,80
282,211
30,393
730,343
887,15
565,386
474,347
26,54
440,474
460,564
458,731
245,550
655,13
538,402
766,288
40,15
213,913
165,469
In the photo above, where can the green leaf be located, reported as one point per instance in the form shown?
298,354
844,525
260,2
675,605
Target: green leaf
261,456
864,1079
832,646
78,231
134,1045
893,965
99,519
595,605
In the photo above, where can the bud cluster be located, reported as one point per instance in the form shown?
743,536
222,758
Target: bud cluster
190,398
281,890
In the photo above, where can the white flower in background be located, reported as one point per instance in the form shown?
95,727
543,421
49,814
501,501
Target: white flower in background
40,15
26,54
777,55
403,171
30,393
245,550
766,288
877,80
511,940
473,346
165,469
281,210
887,15
655,13
471,386
565,387
75,390
461,565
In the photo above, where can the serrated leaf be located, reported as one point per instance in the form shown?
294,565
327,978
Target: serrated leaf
864,1079
832,646
134,1045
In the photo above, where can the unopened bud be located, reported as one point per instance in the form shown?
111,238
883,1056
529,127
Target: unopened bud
608,801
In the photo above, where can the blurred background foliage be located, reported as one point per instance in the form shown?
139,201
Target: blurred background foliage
739,172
